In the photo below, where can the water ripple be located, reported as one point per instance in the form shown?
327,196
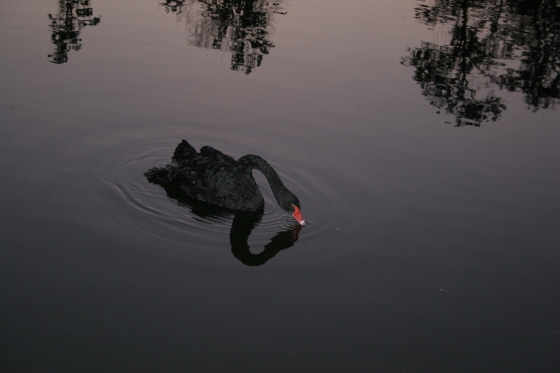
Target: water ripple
169,216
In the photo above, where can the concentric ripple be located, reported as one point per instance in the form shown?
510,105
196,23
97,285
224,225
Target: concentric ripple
174,220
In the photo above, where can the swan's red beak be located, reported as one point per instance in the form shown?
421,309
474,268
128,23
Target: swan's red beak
297,215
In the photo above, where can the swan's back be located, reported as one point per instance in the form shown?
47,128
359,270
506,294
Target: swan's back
209,176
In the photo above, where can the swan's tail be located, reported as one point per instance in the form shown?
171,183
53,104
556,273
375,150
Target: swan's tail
168,174
161,175
184,152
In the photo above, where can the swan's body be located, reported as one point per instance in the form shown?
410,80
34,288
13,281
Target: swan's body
214,177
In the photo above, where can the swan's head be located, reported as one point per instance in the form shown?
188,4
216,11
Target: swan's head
297,214
290,203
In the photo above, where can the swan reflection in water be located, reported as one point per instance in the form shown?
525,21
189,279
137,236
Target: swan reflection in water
241,227
215,178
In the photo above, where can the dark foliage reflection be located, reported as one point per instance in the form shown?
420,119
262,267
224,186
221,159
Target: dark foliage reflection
236,26
494,45
66,25
241,228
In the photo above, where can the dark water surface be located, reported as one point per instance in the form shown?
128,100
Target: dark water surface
421,137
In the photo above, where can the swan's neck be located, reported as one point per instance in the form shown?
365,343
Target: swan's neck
251,162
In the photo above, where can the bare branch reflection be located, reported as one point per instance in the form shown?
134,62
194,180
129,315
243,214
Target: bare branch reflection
66,25
493,45
236,26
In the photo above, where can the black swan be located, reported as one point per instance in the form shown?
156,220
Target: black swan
214,177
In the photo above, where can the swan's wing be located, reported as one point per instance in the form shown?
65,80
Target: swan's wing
208,169
216,155
205,172
184,152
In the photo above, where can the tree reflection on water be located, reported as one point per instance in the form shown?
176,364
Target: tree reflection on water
236,26
493,45
66,25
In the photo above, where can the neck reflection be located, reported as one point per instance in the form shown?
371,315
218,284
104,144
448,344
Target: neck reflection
241,228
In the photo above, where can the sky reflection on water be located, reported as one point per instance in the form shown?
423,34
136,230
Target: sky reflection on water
431,248
483,47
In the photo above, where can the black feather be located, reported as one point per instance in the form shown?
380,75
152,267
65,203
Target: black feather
214,177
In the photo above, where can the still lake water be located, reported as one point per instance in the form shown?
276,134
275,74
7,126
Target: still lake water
421,137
